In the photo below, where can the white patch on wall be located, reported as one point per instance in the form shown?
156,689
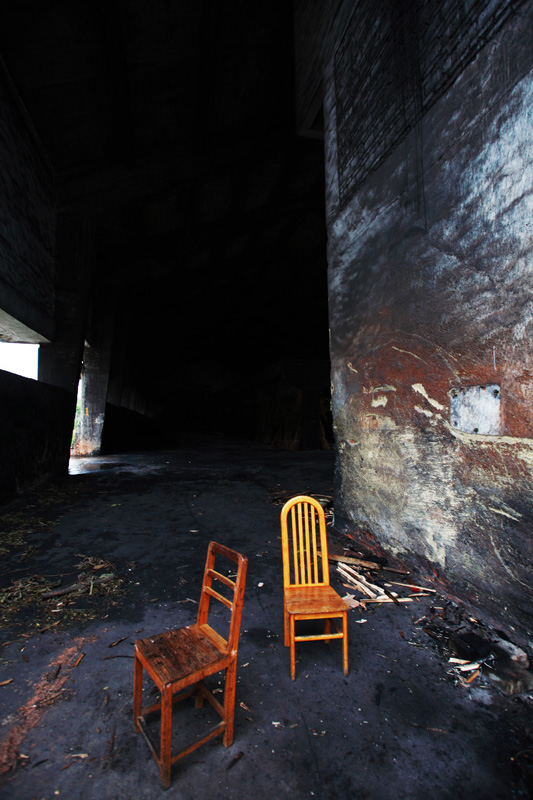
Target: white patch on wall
476,409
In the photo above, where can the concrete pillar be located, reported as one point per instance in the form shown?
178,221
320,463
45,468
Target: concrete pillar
93,389
60,361
430,250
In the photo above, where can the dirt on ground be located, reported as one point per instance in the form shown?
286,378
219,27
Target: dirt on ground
115,552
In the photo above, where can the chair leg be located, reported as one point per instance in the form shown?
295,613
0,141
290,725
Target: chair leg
292,645
166,738
198,698
137,692
327,629
229,703
345,642
286,627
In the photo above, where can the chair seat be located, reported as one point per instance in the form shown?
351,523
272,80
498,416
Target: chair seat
311,600
175,655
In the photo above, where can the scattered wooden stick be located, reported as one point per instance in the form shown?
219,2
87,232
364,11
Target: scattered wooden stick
392,597
385,599
349,572
413,586
352,560
47,628
355,582
468,667
235,759
75,587
118,641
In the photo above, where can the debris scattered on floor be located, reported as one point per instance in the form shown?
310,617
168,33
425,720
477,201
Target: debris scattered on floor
42,594
15,528
472,655
370,591
473,652
23,591
235,759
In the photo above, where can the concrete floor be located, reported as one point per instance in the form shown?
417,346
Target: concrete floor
399,726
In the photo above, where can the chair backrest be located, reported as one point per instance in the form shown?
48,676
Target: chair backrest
304,543
232,599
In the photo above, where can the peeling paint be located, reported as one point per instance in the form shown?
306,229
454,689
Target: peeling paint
424,411
375,389
381,400
480,437
420,389
504,513
407,352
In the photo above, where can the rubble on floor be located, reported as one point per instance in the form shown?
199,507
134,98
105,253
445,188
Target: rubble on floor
472,650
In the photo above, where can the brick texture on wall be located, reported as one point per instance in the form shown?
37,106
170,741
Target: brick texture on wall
27,219
396,59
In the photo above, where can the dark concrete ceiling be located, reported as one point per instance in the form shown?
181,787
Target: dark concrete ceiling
171,126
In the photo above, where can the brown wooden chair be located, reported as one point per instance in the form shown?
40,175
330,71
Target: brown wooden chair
306,589
177,661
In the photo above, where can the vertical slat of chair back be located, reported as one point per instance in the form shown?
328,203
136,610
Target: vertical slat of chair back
304,542
237,590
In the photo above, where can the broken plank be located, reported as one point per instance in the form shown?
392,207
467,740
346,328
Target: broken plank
392,597
397,571
75,587
352,560
413,586
356,583
345,570
386,599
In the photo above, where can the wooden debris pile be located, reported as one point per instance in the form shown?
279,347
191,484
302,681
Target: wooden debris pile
88,579
97,576
373,585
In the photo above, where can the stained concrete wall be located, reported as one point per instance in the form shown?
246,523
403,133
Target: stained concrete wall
429,151
27,225
35,418
33,435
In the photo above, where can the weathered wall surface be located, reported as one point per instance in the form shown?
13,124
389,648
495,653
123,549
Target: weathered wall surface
34,433
27,227
35,419
429,147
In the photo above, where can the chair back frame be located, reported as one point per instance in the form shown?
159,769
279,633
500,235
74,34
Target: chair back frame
304,546
235,605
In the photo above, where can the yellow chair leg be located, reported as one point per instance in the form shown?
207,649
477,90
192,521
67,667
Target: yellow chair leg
345,643
292,644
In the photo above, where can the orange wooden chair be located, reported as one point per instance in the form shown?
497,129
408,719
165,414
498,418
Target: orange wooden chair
306,589
177,661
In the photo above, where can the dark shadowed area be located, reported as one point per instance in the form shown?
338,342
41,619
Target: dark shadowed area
403,724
